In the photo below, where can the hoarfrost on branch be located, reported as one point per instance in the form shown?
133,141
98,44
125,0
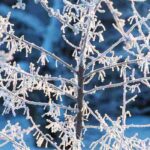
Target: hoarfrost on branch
81,17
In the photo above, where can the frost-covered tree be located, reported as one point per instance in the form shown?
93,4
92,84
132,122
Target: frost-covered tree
71,122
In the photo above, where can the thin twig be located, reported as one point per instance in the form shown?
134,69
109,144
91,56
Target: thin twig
112,66
44,51
116,43
115,85
42,104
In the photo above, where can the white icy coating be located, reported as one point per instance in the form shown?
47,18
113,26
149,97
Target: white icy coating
81,17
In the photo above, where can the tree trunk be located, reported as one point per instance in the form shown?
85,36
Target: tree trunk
80,102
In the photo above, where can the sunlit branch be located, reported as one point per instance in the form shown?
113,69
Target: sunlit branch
43,50
55,14
9,139
71,44
35,103
124,126
116,43
46,137
92,91
112,66
40,77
